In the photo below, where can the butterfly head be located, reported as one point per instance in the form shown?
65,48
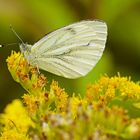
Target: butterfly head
25,50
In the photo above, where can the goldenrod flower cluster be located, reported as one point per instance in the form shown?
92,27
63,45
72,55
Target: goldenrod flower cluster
15,121
110,109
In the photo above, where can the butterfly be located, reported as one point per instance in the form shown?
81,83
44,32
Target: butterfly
71,51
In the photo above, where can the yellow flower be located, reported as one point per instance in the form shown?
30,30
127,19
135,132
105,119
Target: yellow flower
110,92
16,121
57,115
60,96
25,74
13,134
13,64
74,102
131,90
109,88
32,103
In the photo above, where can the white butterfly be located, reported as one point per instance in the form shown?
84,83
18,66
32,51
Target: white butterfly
71,51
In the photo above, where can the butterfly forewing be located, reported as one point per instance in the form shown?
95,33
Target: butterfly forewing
71,51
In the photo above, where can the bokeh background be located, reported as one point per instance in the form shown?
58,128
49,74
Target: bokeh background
32,19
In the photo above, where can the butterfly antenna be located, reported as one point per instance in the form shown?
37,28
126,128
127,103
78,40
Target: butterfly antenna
16,34
5,45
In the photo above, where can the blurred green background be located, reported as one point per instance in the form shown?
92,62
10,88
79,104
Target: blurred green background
32,19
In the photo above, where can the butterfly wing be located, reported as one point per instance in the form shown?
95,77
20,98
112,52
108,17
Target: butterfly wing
71,51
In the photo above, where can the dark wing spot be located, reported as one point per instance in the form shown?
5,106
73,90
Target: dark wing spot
71,30
90,42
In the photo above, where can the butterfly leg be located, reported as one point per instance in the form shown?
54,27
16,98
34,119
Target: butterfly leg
37,69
